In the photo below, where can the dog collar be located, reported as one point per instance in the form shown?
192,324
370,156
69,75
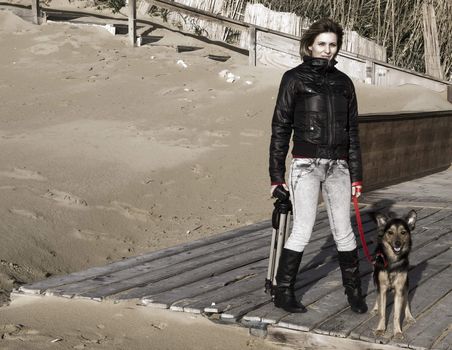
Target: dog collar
380,256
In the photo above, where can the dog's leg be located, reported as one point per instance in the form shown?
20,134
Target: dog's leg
400,294
376,307
381,327
408,316
381,301
398,304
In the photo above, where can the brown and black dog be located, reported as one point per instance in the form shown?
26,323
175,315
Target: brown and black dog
391,268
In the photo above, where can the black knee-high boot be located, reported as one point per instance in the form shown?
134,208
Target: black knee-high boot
284,294
349,264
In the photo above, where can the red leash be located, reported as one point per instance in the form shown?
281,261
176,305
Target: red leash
361,231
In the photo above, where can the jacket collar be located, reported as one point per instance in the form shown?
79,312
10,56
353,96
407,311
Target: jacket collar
320,65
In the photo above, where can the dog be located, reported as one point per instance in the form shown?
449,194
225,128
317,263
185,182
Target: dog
391,268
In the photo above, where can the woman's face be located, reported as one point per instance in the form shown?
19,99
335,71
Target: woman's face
324,46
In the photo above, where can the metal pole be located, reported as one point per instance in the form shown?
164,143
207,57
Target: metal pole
287,229
271,261
280,244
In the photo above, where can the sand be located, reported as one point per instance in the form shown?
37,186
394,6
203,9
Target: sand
110,151
72,324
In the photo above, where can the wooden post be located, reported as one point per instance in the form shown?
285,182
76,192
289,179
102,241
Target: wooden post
370,72
449,93
252,45
132,22
35,11
431,43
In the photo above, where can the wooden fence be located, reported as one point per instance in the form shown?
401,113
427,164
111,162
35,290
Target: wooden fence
275,48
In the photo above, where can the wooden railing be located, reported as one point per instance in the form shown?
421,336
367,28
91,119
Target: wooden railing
251,29
356,66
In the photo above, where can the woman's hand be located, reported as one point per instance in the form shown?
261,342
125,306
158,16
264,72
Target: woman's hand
356,190
274,186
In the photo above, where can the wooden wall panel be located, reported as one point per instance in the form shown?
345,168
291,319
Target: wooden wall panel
398,149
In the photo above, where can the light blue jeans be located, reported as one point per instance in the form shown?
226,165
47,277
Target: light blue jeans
307,177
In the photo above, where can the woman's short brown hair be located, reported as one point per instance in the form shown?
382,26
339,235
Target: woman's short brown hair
324,25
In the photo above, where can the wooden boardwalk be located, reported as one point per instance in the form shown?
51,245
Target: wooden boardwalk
223,275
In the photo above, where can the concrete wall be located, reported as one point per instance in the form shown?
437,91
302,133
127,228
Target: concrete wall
399,147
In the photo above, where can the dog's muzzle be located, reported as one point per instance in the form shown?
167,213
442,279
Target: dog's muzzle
397,247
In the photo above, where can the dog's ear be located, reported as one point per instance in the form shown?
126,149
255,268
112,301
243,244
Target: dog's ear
381,219
411,219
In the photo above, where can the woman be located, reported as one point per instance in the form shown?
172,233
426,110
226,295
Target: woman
318,104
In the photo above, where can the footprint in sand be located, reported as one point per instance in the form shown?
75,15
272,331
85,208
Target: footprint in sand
26,213
217,133
128,211
23,174
252,133
21,333
90,235
44,49
66,199
8,187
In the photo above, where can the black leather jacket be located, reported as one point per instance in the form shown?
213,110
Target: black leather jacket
318,103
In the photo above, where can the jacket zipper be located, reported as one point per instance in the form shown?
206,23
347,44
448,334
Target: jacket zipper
330,112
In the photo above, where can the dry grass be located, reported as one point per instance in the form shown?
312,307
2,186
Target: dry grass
398,25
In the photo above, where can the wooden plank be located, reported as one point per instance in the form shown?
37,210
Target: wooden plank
199,303
311,293
249,231
271,58
175,261
444,343
342,324
431,325
421,257
198,276
324,308
317,263
279,43
242,305
144,284
167,298
327,278
194,12
178,294
308,278
241,234
155,271
291,339
217,301
335,302
425,202
312,286
422,299
445,222
40,286
269,314
436,218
